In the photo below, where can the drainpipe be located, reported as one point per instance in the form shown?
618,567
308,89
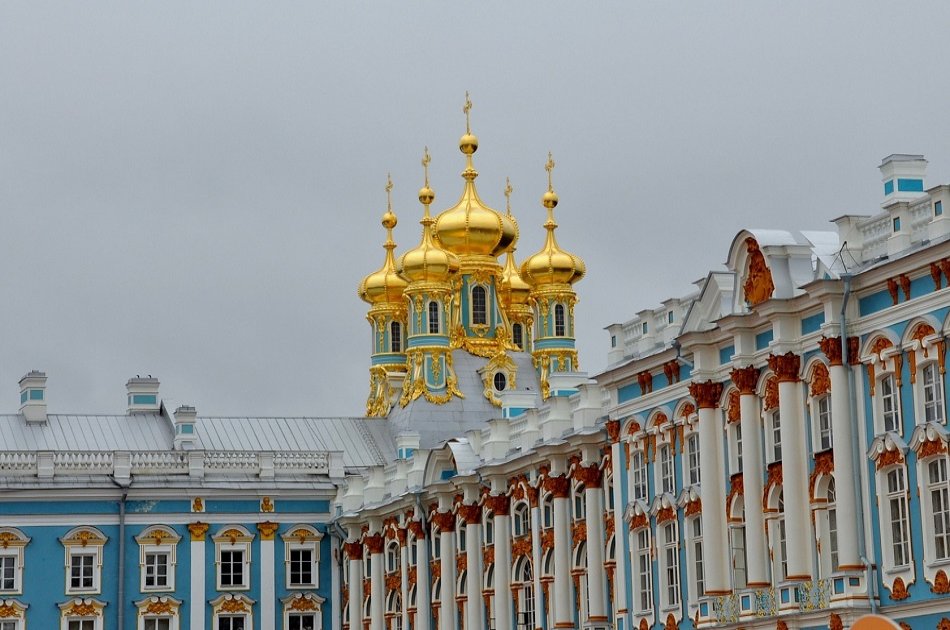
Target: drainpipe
856,452
120,607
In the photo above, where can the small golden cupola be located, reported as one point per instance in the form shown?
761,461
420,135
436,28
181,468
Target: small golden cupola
428,262
470,228
552,265
385,286
515,293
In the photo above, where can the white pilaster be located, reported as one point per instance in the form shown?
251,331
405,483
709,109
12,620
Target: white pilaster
355,585
503,603
423,610
621,546
197,604
449,610
404,579
563,615
541,607
377,620
753,473
268,587
474,615
795,479
843,436
596,578
712,488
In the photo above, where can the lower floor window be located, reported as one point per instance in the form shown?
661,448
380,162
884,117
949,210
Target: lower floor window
158,623
8,625
82,624
231,623
298,621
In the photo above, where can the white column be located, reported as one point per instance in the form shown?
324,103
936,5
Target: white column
423,601
335,586
377,585
268,587
474,615
354,551
404,577
712,488
449,610
540,607
503,602
621,545
561,596
794,465
596,577
197,604
753,474
843,436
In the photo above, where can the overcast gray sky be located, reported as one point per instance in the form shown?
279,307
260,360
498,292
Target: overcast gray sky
194,190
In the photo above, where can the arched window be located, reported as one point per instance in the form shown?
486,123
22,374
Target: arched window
780,551
517,335
831,497
392,557
667,477
523,578
433,318
460,537
823,411
899,525
489,528
580,503
395,337
671,565
547,512
890,404
643,569
436,547
558,320
521,522
479,306
775,436
937,501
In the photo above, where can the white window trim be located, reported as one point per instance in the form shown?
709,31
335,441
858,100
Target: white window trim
884,365
233,538
148,607
664,459
15,543
769,418
636,552
302,537
665,603
920,412
303,603
218,606
640,471
19,613
67,607
162,540
84,541
889,571
693,574
687,472
931,564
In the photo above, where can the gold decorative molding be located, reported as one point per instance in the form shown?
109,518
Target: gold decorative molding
198,531
267,505
268,530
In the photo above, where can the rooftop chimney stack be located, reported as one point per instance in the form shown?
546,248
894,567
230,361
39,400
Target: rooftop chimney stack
33,396
185,437
143,395
903,177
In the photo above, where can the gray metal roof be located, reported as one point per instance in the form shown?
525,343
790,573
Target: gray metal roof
153,432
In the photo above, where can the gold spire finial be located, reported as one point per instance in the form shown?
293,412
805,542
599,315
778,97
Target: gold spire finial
389,191
467,108
425,164
549,166
508,191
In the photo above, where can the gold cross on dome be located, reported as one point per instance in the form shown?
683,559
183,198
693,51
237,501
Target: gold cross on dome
549,166
467,108
389,190
425,164
508,191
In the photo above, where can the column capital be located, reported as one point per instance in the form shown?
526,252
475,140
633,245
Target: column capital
374,543
471,514
559,487
416,528
591,476
613,431
786,366
268,530
354,550
445,521
498,504
745,379
706,394
198,531
831,347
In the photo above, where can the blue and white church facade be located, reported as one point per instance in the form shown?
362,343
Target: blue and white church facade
768,451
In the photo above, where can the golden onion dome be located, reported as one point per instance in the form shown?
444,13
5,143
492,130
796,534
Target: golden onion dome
428,262
514,290
384,286
552,265
470,227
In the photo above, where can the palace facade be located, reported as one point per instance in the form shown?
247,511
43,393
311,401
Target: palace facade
768,451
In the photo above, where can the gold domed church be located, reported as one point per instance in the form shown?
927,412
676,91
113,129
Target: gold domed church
457,325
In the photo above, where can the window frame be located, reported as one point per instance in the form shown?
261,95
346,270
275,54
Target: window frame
560,321
881,406
938,388
642,569
638,472
395,337
666,469
670,594
433,317
158,540
693,460
16,542
84,542
478,307
233,539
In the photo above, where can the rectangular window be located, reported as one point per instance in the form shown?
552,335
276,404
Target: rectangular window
938,208
672,563
933,394
301,567
776,436
7,573
738,433
897,224
158,623
639,476
81,624
669,317
783,549
897,512
833,537
666,470
940,507
890,405
824,423
646,328
232,569
613,341
231,623
644,570
298,621
698,557
81,571
737,542
692,447
8,625
156,570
